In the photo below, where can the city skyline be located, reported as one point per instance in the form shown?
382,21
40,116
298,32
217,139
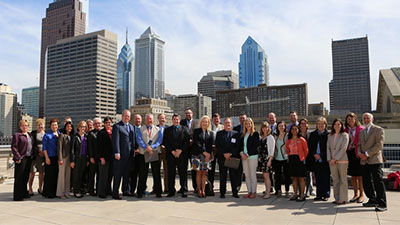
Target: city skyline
207,36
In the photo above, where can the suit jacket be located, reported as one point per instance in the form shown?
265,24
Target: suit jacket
238,129
154,135
312,147
104,143
123,142
201,144
181,141
253,141
64,146
338,149
76,149
195,124
230,145
19,146
92,143
283,147
371,142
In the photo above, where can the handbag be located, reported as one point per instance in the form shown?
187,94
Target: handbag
233,163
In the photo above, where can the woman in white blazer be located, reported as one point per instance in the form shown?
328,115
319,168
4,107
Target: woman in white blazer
338,161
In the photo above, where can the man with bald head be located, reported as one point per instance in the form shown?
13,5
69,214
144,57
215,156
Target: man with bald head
370,145
123,142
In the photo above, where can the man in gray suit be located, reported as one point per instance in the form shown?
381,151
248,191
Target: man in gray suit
370,145
123,142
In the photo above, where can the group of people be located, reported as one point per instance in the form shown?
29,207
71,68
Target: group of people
95,159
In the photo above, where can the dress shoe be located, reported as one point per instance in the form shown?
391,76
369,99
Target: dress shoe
170,195
222,196
139,196
380,208
354,199
116,197
324,199
301,199
294,198
318,198
341,203
102,196
78,195
92,194
235,195
184,195
126,194
180,191
27,196
370,204
158,196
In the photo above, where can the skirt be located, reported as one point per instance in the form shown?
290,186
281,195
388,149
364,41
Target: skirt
199,162
297,168
37,165
262,164
354,168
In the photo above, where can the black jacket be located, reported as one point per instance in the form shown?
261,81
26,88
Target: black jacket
104,143
172,143
312,147
199,141
252,144
225,145
92,145
76,148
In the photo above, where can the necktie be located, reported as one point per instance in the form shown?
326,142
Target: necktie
127,127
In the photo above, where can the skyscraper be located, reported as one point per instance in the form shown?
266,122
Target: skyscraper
350,88
149,65
8,111
30,99
81,77
253,65
217,81
64,18
125,78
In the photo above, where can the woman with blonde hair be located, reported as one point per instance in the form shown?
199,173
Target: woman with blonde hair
38,158
265,156
249,142
202,153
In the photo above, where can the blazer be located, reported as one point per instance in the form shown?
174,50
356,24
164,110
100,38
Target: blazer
195,124
104,143
19,146
338,149
64,145
237,128
124,142
181,141
230,145
76,149
301,146
356,136
35,144
283,147
252,144
312,146
92,143
267,146
371,143
199,141
154,135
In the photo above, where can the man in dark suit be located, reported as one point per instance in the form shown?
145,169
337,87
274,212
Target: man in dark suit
227,147
242,118
176,142
239,129
93,151
124,142
191,124
370,145
133,180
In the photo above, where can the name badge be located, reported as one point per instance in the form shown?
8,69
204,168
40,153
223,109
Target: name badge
233,140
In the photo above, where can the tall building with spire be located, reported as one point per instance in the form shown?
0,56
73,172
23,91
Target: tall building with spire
125,78
253,65
64,19
149,66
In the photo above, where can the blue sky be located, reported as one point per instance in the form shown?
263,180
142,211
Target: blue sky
205,35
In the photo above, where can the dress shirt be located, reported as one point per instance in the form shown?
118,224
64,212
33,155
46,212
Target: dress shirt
154,144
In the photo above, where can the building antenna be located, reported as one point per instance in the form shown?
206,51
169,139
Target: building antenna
126,35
